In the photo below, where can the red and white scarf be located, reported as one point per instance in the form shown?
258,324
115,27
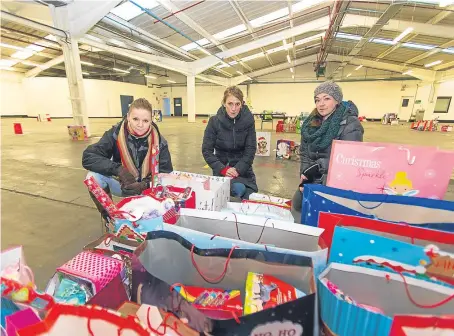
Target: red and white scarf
150,164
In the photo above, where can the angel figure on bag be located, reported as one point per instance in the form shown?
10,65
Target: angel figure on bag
401,185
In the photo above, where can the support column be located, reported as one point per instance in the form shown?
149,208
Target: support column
191,98
73,68
76,84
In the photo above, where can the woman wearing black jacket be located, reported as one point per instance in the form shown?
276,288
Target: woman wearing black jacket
129,155
229,143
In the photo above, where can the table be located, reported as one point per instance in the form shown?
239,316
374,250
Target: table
262,115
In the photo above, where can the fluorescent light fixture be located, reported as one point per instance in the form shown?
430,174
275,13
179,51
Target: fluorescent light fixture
230,32
348,36
288,59
382,41
291,70
22,54
239,72
120,70
128,11
85,73
403,34
35,48
432,64
349,75
9,46
408,72
418,46
150,76
171,81
448,50
193,45
263,20
7,63
86,63
359,67
251,57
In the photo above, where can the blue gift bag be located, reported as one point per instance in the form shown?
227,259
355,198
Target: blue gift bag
431,213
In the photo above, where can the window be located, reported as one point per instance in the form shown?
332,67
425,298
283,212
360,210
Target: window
442,104
405,102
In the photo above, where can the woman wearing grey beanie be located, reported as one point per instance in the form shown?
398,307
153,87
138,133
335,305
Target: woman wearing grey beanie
332,119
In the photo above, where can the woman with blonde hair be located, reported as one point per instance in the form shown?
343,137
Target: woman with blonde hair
229,143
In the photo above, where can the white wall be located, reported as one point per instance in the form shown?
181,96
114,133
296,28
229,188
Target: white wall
12,100
428,95
51,95
207,98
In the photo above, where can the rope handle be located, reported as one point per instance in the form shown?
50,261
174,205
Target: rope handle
163,323
410,160
238,230
412,300
221,276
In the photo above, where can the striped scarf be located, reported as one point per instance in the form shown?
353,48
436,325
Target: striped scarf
150,164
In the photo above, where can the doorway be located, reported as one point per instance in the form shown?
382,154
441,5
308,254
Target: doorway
177,107
125,101
166,106
406,107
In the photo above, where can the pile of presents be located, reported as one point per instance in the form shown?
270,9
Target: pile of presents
430,125
183,260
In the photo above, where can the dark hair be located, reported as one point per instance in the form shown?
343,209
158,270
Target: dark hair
141,103
233,91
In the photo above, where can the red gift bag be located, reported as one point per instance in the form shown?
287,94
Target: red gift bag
403,232
405,325
183,197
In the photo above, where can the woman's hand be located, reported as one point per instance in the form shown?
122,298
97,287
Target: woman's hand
302,179
125,177
232,172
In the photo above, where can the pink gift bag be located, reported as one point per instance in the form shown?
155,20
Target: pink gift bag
386,168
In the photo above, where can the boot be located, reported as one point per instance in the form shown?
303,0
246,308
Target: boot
106,221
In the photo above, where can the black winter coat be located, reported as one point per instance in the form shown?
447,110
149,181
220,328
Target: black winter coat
231,142
103,157
350,130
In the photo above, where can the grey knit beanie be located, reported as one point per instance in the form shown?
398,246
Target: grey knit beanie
330,88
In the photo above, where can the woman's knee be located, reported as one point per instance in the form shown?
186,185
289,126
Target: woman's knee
98,178
238,189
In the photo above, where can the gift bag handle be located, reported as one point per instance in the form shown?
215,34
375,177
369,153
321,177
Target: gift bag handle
238,229
412,300
224,272
372,207
164,323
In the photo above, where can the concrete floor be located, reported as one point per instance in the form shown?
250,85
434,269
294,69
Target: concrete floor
45,205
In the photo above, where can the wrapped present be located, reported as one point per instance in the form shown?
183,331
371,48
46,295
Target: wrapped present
284,149
19,320
267,199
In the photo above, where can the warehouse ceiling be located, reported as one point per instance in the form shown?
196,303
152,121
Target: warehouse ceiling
344,40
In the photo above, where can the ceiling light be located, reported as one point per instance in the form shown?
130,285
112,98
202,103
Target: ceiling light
291,69
359,67
171,81
408,72
121,70
86,63
382,41
433,63
348,36
230,32
85,73
23,54
349,75
448,50
150,76
9,46
418,46
288,59
239,72
35,47
403,34
263,20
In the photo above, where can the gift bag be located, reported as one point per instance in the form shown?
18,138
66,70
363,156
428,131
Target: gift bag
89,278
267,199
182,197
13,266
433,214
399,231
274,235
374,252
263,144
20,320
212,192
404,325
117,248
393,169
261,210
166,260
358,301
284,149
87,320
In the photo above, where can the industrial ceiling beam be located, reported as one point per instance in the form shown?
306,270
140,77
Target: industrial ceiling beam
444,66
44,66
239,12
33,24
390,12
